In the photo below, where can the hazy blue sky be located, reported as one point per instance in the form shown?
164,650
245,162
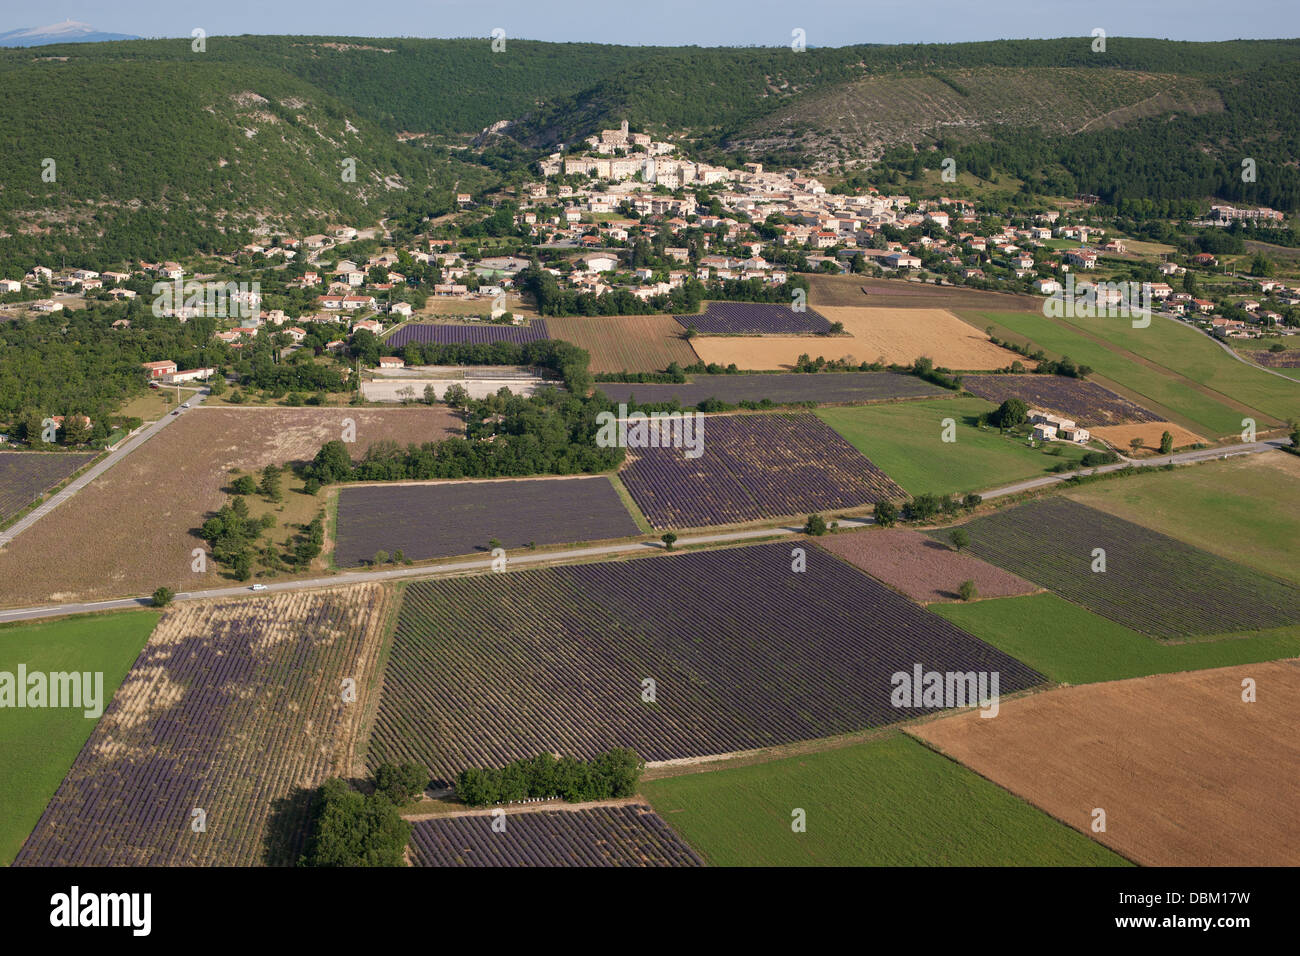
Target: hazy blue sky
702,22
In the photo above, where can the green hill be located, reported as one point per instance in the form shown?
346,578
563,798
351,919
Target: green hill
161,150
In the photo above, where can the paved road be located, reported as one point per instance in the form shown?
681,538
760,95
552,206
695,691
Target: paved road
1187,457
482,564
111,459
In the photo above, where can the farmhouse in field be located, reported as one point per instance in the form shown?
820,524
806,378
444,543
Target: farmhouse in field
1048,427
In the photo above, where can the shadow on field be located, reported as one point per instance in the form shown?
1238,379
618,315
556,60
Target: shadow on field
286,829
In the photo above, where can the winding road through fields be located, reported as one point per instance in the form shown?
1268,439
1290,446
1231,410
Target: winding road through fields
481,565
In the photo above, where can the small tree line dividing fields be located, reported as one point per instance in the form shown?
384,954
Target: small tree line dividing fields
674,656
1132,575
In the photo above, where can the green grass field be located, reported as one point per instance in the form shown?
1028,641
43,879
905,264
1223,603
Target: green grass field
1189,352
1074,646
1243,509
1202,412
37,747
905,440
889,802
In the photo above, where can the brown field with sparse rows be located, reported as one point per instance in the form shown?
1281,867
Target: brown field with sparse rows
1150,432
133,529
626,343
893,336
920,567
1188,773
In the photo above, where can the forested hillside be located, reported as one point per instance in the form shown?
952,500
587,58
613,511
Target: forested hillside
161,150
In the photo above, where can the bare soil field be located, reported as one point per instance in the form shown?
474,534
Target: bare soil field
132,529
24,475
894,336
923,569
627,343
854,290
1188,774
1121,435
234,707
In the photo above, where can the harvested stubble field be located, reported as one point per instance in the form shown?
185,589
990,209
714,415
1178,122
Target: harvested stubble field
632,835
1152,583
233,707
920,567
442,519
744,653
24,475
626,343
826,387
754,467
1086,402
1217,779
132,529
892,336
1121,436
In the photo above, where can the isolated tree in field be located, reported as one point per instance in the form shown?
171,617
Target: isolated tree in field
1011,413
399,556
960,538
669,539
163,596
816,525
1166,443
430,395
968,591
1135,445
886,513
381,557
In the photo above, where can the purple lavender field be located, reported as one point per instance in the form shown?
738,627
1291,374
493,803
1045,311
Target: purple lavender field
744,652
753,467
452,334
233,709
755,318
632,835
444,519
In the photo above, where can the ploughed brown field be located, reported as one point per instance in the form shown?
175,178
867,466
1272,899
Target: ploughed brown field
923,569
626,343
1150,432
892,335
856,290
1188,774
132,529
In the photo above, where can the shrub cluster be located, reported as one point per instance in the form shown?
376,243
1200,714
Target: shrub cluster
613,774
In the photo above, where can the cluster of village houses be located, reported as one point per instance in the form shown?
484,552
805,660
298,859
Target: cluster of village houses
628,171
